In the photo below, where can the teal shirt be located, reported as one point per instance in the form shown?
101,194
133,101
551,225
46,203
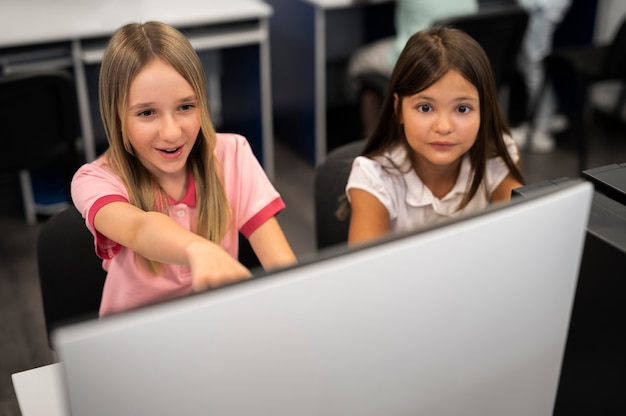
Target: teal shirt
415,15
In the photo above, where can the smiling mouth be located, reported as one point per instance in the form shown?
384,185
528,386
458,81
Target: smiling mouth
174,150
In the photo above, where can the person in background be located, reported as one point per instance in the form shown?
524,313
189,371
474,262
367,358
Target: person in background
166,200
441,146
380,57
544,16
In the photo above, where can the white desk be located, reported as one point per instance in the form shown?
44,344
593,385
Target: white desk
306,35
78,30
40,391
343,4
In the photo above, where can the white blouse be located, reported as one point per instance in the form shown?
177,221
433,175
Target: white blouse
409,202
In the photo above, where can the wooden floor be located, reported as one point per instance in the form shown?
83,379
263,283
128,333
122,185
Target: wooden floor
23,343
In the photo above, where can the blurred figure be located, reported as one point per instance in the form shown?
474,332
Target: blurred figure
379,58
544,16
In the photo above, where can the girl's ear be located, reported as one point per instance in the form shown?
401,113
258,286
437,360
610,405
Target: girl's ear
396,103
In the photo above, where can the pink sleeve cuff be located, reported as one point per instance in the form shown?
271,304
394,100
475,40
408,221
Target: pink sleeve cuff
263,215
105,248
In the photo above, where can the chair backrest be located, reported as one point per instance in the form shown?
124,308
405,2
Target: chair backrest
71,276
499,30
38,120
615,59
329,185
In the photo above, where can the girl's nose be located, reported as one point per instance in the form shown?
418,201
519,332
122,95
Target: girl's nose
170,128
442,124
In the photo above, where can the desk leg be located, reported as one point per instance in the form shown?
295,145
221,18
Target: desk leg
28,197
320,85
266,101
83,102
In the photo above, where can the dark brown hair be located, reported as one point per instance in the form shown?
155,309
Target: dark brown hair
426,58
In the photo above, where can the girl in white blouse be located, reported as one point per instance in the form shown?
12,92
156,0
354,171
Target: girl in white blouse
441,145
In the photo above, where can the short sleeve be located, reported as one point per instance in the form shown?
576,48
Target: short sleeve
368,175
252,196
94,186
497,169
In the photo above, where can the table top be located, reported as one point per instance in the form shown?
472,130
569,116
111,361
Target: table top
339,4
28,22
40,391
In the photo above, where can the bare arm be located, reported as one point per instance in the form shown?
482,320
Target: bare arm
369,218
157,237
270,245
503,191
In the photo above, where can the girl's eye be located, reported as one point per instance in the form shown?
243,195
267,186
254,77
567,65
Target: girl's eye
463,109
146,113
186,107
424,108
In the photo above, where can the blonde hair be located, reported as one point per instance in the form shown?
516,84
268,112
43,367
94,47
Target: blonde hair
130,49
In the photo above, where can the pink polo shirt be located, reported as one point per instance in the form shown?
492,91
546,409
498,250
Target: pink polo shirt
252,197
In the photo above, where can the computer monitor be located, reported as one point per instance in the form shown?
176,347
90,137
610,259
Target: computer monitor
592,373
468,317
610,180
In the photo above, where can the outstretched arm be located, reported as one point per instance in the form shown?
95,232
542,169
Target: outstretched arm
369,219
157,237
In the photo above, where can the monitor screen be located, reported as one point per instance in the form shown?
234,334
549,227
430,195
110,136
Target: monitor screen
469,317
610,180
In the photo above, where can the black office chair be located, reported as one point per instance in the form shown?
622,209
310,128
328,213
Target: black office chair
329,186
71,276
584,66
247,256
498,29
39,128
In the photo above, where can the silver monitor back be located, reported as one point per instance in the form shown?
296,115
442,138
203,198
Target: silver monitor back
467,318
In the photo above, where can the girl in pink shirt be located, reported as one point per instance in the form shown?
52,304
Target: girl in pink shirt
168,198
